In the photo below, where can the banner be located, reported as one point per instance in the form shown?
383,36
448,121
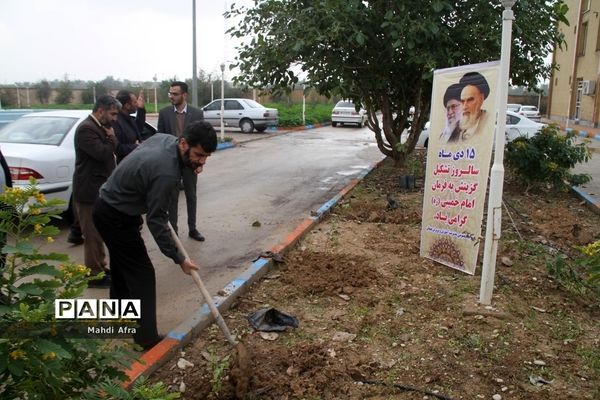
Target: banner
461,137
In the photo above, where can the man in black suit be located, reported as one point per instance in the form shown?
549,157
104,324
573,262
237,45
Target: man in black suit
128,129
95,146
173,120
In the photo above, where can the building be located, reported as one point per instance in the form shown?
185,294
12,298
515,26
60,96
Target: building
573,96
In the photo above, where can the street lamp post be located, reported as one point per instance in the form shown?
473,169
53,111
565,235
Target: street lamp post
212,96
194,72
493,228
222,101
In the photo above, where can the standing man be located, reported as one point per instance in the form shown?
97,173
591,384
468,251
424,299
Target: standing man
146,182
173,120
95,145
128,129
475,91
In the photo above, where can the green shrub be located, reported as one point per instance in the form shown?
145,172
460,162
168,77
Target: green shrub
291,115
37,362
547,158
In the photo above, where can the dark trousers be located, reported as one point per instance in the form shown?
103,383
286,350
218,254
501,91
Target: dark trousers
131,269
190,181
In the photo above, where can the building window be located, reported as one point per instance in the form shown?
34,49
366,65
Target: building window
582,39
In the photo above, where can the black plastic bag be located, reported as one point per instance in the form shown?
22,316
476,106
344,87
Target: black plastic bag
272,320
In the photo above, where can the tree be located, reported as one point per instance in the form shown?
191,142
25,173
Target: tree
43,90
65,93
382,54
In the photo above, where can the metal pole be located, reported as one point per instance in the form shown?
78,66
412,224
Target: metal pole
194,73
94,92
222,101
493,228
18,96
154,78
303,105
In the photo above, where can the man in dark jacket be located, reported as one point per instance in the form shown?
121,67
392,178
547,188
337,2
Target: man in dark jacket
95,146
146,183
5,181
128,129
173,120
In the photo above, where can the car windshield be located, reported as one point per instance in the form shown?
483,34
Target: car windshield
37,130
253,104
512,107
529,108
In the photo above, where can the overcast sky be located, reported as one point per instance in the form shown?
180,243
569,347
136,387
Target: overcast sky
126,39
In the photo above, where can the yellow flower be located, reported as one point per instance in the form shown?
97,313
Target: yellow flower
39,196
49,356
34,211
552,166
37,228
50,239
15,355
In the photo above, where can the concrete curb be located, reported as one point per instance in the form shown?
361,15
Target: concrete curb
584,134
201,318
589,200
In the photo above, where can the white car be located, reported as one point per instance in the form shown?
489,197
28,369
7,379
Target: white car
41,145
245,114
516,126
530,112
345,112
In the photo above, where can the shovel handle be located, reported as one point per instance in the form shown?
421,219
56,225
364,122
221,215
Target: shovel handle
207,298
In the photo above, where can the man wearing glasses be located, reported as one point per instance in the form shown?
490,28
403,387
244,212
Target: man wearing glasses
173,120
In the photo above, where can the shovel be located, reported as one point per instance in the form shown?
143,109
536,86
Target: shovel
240,374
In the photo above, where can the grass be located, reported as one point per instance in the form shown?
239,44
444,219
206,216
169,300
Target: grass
291,115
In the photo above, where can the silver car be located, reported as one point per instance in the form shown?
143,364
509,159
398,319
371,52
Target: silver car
245,114
41,145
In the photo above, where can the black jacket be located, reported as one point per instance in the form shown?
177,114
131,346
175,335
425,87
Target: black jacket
128,130
5,170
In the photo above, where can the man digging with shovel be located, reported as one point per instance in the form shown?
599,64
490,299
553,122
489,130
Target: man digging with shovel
146,182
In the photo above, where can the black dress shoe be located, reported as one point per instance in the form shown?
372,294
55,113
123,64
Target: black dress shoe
153,343
100,283
194,234
75,238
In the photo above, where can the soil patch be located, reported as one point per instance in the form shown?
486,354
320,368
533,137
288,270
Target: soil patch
377,320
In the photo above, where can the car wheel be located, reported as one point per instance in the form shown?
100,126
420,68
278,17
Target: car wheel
247,126
426,144
334,124
261,129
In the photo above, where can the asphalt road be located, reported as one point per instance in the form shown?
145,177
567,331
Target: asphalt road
277,181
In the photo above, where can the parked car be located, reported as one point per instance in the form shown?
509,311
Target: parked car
345,112
516,125
514,107
519,125
8,116
41,145
245,114
530,112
